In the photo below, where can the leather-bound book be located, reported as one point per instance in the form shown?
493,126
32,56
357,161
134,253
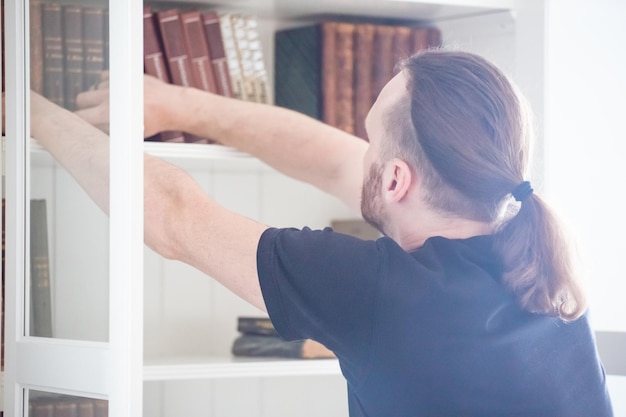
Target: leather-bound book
345,77
199,58
93,45
36,47
298,70
176,54
363,75
383,51
213,34
155,65
329,72
52,37
73,54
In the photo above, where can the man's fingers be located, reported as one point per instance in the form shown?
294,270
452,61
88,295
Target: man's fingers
91,98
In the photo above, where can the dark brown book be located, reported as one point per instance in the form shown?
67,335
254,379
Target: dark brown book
40,304
199,58
434,37
251,345
74,56
363,75
383,51
215,43
420,39
256,325
93,45
51,28
345,77
402,45
329,72
36,47
155,65
176,54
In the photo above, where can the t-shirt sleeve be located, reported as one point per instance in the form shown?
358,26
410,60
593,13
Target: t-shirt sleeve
321,285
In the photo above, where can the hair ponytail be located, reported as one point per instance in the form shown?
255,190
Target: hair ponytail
538,265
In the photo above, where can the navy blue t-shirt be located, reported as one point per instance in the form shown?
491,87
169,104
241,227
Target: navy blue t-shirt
432,332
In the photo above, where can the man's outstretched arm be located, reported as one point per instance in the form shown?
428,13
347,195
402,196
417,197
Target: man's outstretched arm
180,221
295,144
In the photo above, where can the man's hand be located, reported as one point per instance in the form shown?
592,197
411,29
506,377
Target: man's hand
94,105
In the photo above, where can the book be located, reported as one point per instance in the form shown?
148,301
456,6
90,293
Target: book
329,72
52,38
58,405
200,60
382,70
355,227
345,77
155,65
363,76
256,325
40,296
232,57
215,43
298,70
73,54
93,44
252,345
176,54
36,47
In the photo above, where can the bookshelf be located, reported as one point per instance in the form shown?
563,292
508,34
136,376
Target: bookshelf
188,321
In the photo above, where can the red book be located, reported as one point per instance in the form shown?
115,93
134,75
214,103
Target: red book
154,64
201,67
383,51
345,77
363,62
176,54
215,43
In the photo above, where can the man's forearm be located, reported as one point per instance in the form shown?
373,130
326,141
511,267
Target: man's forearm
292,143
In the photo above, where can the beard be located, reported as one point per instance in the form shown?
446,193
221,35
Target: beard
371,206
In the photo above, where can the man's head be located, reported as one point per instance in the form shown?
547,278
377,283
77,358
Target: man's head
460,127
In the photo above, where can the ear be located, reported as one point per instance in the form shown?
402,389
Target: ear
397,179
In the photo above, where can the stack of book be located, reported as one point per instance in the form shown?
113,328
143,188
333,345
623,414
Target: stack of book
258,338
334,70
216,52
56,405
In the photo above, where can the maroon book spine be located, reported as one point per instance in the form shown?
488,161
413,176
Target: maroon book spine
73,54
199,57
213,34
155,65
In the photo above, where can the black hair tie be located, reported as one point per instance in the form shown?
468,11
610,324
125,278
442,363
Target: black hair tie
522,191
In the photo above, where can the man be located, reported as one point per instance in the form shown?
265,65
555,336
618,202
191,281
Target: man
468,306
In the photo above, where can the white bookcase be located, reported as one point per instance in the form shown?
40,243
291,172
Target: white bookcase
182,364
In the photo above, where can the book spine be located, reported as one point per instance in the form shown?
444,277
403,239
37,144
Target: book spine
155,65
213,35
434,37
383,64
93,44
345,77
36,47
176,54
329,72
41,309
420,39
200,60
297,70
232,58
402,45
51,27
73,54
257,59
256,325
363,63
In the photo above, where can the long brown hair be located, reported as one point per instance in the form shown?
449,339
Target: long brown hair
468,136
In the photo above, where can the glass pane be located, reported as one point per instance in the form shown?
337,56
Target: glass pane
68,234
46,404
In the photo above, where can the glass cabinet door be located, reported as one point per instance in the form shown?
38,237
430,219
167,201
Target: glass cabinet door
74,268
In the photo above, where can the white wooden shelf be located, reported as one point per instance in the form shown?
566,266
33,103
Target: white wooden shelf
190,368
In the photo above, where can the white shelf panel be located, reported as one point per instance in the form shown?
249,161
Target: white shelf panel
190,368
